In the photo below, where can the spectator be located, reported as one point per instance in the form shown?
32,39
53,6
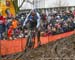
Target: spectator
14,25
74,12
64,16
2,27
10,32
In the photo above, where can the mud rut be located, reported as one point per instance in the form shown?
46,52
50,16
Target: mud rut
63,49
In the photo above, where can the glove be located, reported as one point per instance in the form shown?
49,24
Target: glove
24,27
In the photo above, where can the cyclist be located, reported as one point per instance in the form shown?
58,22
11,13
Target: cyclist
33,19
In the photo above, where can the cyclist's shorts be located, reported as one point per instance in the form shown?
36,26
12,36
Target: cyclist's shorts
32,25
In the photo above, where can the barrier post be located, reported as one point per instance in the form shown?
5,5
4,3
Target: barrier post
0,51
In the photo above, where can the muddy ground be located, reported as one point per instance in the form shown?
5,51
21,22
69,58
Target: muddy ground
63,49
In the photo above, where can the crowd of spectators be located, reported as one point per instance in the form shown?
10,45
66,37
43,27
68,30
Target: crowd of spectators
55,22
58,22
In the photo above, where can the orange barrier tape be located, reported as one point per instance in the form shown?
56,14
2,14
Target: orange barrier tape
18,45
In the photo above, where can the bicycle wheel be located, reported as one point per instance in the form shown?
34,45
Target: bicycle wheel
30,42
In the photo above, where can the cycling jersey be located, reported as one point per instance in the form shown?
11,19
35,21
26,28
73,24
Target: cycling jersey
35,19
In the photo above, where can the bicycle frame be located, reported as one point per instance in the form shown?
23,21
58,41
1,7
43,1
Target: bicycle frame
29,39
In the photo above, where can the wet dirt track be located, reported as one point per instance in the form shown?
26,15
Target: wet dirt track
63,49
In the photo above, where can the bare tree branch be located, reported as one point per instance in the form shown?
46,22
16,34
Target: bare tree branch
22,3
33,1
30,2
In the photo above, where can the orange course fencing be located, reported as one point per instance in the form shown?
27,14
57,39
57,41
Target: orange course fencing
18,45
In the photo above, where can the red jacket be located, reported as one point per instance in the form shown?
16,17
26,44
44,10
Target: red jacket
74,12
2,20
10,31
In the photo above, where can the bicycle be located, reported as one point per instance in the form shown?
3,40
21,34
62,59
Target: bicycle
32,27
30,43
